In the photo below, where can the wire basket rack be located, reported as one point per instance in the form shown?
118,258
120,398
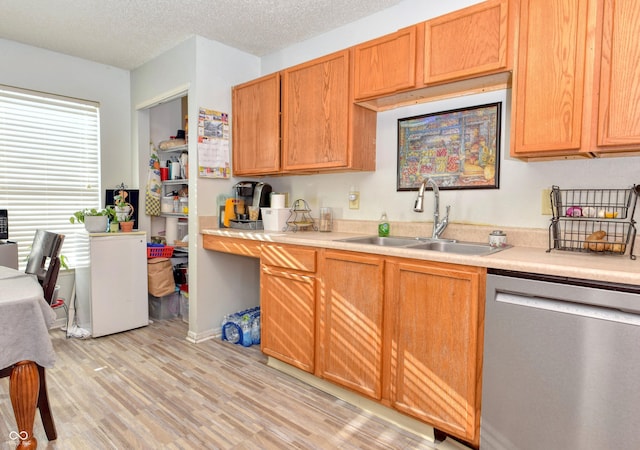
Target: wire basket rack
300,217
593,220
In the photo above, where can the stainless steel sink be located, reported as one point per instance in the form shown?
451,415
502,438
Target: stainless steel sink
436,245
460,248
391,241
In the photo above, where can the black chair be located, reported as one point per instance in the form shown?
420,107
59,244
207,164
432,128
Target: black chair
44,261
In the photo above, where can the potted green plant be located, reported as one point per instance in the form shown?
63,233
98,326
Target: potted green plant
114,224
126,225
95,220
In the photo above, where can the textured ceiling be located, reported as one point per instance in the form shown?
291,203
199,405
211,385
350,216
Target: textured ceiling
128,33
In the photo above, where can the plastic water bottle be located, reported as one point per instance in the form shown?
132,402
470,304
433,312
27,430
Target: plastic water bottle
255,330
246,332
231,332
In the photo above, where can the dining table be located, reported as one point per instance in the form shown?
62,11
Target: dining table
25,347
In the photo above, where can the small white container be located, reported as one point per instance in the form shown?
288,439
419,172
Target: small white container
274,219
166,205
498,238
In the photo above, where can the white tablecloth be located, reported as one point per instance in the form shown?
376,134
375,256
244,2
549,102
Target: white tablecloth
25,318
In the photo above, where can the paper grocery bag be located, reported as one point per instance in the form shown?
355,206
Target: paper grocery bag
160,274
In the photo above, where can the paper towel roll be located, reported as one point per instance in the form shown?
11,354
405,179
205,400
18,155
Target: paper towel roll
171,230
277,200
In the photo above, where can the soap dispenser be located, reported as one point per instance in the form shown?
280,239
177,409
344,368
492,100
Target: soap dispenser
383,225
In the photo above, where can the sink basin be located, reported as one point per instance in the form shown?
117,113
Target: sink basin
436,245
460,248
390,241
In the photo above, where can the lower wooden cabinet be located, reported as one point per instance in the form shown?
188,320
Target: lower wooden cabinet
287,301
434,340
406,333
350,321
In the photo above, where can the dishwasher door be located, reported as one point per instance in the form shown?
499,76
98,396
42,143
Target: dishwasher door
561,366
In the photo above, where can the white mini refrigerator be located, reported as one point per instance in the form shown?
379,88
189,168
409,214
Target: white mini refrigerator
112,290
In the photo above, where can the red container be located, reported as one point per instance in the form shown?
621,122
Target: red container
159,252
164,173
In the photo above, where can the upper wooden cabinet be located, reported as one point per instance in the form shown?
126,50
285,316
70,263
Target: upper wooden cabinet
549,85
303,120
385,65
256,126
569,51
463,52
323,130
619,105
467,43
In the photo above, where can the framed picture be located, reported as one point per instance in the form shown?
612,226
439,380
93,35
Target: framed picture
458,149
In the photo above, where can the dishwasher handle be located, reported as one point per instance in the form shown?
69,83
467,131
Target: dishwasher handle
569,307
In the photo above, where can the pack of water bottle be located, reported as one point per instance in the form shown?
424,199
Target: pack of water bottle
242,327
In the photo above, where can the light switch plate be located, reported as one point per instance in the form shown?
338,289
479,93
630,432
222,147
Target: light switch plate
354,200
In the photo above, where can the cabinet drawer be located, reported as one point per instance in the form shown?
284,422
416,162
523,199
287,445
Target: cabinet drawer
289,257
236,246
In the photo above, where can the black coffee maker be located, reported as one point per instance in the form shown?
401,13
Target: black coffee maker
250,193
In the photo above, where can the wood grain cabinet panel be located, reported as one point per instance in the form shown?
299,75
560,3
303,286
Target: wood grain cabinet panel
577,85
385,65
235,246
288,302
549,83
256,126
323,130
467,43
287,317
619,107
315,111
436,343
350,321
302,120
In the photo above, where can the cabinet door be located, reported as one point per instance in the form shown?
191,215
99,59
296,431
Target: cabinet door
350,325
619,109
385,65
256,126
287,317
467,43
549,78
315,114
436,343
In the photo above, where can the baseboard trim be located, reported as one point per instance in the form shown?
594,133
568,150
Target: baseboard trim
388,414
196,338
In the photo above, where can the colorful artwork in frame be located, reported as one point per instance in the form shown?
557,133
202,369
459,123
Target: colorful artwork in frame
458,149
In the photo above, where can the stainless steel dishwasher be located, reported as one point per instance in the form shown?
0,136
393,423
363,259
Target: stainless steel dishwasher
561,365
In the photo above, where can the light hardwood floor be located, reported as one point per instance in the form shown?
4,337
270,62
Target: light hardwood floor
151,389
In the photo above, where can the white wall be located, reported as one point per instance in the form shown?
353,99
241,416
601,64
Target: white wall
206,71
517,203
33,68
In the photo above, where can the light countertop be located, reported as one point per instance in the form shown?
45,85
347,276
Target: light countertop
611,268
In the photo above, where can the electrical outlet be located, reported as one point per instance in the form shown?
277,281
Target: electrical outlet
545,210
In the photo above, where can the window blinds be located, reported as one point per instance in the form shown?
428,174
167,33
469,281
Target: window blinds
49,167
